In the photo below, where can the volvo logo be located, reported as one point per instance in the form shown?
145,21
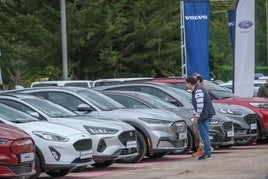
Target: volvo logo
198,17
245,24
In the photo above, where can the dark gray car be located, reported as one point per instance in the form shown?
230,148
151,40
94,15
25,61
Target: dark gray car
244,119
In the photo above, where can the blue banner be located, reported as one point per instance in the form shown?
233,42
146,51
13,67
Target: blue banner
196,24
231,23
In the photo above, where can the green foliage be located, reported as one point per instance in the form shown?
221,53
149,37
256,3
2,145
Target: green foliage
108,38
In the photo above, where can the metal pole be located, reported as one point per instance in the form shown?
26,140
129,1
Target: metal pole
64,41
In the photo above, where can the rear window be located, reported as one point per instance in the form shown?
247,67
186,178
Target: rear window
44,84
79,84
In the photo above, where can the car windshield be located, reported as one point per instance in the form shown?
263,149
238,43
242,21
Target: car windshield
101,101
218,92
49,108
14,115
156,102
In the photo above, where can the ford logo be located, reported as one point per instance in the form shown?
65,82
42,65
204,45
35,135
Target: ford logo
245,24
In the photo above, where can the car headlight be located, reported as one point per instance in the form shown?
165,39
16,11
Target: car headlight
214,122
259,105
100,130
50,136
229,111
155,121
179,127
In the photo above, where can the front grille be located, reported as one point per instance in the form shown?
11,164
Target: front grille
238,129
251,119
128,151
84,144
21,169
228,126
78,160
124,137
221,139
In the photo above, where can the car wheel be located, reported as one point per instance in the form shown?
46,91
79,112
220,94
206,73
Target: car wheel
37,167
103,164
246,141
58,173
190,145
142,149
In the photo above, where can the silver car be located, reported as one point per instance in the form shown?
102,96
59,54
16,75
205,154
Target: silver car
158,131
244,119
59,148
112,140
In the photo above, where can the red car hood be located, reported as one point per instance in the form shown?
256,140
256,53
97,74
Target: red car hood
11,132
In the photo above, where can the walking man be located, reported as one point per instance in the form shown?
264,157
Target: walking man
204,111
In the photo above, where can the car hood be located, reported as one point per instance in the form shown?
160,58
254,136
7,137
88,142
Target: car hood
29,127
160,114
95,122
220,107
11,132
251,99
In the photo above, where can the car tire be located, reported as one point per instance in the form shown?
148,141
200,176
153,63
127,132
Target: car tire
142,149
190,145
58,173
103,164
37,167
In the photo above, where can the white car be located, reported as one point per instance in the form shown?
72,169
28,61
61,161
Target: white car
59,149
112,140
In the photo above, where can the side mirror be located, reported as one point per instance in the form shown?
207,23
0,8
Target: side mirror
83,107
34,114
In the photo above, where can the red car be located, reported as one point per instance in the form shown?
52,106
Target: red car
17,152
223,95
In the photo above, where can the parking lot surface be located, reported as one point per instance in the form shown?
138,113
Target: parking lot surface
245,162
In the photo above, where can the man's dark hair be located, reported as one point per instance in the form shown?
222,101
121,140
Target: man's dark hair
191,80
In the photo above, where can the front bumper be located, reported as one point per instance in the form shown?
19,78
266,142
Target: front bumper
166,138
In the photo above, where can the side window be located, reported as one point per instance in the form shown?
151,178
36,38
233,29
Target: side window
64,99
122,100
128,102
20,107
156,92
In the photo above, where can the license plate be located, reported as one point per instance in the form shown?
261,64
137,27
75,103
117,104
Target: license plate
182,135
131,144
85,154
230,133
27,157
253,126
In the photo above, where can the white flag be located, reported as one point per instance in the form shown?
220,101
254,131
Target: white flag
244,61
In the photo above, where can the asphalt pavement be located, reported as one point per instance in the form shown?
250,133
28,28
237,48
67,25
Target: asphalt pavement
238,162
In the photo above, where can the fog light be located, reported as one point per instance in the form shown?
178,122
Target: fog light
102,146
55,153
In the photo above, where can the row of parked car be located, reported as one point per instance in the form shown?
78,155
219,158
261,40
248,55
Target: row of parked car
71,128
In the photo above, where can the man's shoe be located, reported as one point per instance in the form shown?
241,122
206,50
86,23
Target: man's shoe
205,157
198,153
